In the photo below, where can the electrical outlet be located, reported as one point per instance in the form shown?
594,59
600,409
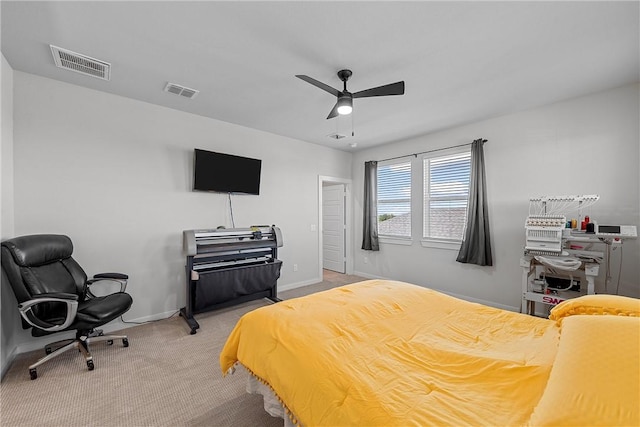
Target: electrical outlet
366,260
295,267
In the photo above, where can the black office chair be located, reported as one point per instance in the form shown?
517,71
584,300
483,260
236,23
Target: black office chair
53,295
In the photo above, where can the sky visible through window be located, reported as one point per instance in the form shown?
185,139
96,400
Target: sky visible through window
394,189
446,192
394,199
449,177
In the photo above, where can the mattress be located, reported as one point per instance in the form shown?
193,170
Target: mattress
389,353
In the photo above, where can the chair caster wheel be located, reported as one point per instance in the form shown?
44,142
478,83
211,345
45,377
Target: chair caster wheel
47,350
33,374
109,342
90,365
125,342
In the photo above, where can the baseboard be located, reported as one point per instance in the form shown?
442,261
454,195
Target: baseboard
483,302
369,276
282,288
144,319
462,297
10,358
39,342
115,325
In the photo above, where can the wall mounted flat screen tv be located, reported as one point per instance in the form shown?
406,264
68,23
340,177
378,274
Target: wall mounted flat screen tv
225,173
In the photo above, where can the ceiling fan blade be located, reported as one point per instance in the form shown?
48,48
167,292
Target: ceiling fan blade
386,90
332,91
334,112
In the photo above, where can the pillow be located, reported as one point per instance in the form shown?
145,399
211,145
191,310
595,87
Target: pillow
594,380
597,304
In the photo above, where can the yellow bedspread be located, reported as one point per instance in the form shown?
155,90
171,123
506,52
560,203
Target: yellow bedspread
389,353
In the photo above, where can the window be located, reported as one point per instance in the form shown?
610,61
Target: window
446,194
394,199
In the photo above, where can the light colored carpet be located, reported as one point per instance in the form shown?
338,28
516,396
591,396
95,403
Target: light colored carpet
166,377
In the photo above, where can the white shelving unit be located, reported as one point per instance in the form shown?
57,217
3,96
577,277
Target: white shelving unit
533,270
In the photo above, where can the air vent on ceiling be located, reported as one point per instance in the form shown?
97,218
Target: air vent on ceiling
336,136
80,63
181,90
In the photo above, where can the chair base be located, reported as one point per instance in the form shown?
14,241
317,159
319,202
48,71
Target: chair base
81,342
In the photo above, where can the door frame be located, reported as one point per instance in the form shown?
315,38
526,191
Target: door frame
348,203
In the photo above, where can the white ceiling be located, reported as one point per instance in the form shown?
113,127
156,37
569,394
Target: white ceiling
461,61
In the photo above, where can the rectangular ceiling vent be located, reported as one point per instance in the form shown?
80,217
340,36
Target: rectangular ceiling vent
336,136
81,63
181,90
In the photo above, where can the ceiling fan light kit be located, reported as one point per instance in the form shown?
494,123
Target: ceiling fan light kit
344,103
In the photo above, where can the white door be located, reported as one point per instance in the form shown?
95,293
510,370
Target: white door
333,228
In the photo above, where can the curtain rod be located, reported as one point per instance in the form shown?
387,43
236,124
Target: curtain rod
429,151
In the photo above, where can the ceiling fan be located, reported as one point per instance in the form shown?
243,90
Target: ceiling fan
344,105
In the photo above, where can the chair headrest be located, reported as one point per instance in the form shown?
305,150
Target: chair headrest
39,249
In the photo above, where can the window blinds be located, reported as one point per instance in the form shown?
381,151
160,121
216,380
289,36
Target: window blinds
446,194
394,199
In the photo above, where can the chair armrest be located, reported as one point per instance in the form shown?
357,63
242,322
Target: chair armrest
59,295
71,300
111,277
117,276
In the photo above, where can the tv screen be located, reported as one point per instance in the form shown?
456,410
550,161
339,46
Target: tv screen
226,173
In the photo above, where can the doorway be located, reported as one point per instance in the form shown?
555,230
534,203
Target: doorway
335,225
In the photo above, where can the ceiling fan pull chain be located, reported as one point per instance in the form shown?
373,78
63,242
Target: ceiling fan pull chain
352,132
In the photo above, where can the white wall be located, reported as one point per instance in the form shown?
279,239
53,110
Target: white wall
8,306
115,175
587,145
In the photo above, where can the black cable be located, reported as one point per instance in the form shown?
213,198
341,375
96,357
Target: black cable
233,224
619,273
148,321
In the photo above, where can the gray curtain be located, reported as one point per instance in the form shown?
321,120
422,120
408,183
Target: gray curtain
476,243
370,219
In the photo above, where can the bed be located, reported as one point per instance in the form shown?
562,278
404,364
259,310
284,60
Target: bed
388,353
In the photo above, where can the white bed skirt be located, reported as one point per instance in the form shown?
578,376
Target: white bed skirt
271,403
